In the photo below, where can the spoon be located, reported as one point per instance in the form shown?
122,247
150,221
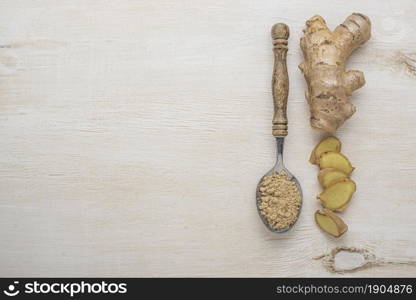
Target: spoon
280,88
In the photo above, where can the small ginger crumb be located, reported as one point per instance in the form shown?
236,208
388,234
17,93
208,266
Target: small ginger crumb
279,201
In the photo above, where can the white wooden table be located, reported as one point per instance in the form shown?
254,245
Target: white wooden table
133,134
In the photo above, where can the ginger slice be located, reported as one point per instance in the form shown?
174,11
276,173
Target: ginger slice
327,144
337,195
341,209
337,161
328,176
330,222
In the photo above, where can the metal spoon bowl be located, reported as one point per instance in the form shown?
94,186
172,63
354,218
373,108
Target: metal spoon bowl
278,167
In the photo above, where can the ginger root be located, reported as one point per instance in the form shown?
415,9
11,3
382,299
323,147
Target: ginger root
329,143
337,161
330,222
337,195
329,85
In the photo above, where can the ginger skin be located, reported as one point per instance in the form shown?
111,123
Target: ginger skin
329,85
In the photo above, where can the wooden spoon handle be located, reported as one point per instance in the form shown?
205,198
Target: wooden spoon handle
280,80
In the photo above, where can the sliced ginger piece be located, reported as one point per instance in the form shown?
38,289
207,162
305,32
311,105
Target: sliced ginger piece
330,222
337,161
328,176
337,195
327,144
341,209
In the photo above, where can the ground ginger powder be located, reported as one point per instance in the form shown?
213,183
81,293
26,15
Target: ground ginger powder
279,200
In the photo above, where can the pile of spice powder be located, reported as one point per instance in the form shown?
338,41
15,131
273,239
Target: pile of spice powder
279,200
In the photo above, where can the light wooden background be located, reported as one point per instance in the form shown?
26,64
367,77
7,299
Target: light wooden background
133,134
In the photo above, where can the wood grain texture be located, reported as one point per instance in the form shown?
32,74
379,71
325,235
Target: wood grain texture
133,134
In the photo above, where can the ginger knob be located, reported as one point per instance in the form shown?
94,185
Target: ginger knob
329,85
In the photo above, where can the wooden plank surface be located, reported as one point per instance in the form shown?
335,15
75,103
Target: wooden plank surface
133,134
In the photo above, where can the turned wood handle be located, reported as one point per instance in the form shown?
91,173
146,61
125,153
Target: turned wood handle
280,80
